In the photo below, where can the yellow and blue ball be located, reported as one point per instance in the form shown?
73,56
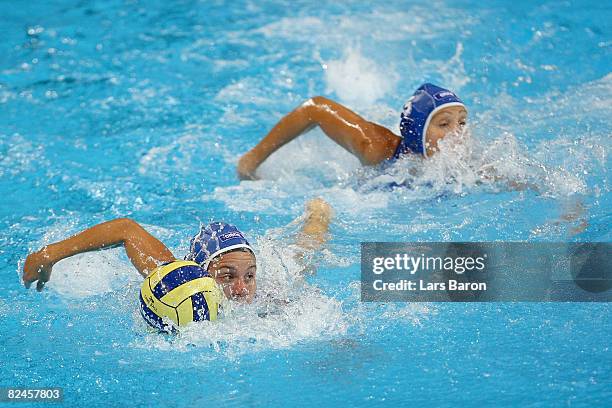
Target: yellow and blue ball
180,291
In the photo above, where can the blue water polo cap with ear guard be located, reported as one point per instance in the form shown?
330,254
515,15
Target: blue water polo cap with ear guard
213,240
418,111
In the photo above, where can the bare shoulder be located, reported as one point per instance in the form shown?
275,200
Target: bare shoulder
386,132
385,139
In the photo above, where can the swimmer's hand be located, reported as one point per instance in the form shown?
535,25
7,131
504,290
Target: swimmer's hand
247,165
37,267
575,214
489,174
318,207
314,233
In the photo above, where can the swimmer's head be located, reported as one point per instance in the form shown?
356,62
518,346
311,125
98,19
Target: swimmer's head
430,114
223,251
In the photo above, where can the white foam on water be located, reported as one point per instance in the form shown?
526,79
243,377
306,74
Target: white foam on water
567,149
91,274
464,163
311,154
312,164
357,79
259,326
86,274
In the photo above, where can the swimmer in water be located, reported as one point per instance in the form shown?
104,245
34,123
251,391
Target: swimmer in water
428,116
219,248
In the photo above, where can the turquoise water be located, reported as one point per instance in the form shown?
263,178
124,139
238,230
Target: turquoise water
141,109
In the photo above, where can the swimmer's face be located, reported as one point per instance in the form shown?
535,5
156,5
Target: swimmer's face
235,273
447,120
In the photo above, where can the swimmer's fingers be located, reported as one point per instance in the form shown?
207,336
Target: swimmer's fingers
42,280
36,269
319,207
579,228
247,166
575,214
314,233
573,211
247,176
30,271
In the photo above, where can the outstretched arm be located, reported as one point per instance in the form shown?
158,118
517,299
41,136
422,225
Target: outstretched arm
144,250
371,143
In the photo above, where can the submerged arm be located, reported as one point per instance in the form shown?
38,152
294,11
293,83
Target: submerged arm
144,250
313,234
371,143
315,231
489,173
573,211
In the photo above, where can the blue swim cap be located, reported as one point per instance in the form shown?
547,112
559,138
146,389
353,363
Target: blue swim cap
213,240
418,111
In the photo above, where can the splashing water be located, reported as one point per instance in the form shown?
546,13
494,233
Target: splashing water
358,80
286,311
463,163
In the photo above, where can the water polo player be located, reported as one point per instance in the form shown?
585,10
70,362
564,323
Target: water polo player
219,251
428,116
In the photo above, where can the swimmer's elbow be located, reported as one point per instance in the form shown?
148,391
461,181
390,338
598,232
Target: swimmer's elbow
315,107
318,100
128,227
126,223
320,104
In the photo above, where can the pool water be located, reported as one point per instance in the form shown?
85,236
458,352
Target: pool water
141,109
